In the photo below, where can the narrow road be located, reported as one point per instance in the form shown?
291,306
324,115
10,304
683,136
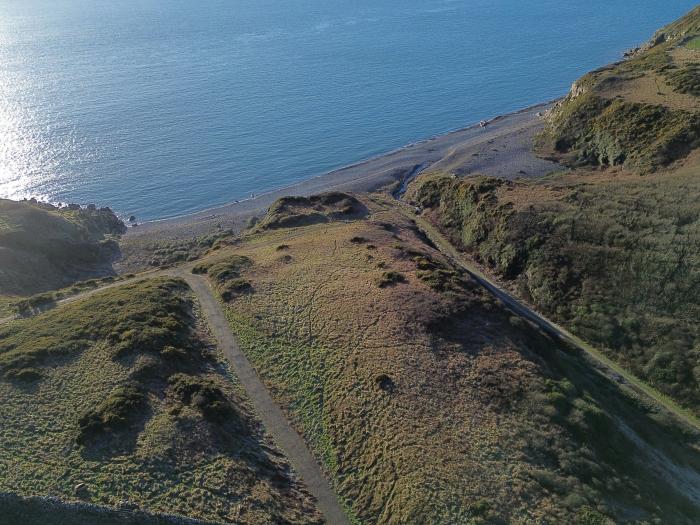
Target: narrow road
269,412
609,367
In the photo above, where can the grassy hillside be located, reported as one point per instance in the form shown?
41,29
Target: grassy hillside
43,247
119,399
643,113
614,258
426,400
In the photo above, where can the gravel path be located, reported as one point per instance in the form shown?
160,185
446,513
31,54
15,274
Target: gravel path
269,412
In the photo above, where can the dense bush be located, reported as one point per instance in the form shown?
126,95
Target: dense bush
617,261
113,415
202,394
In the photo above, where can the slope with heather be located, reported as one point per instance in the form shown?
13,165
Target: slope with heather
642,113
610,249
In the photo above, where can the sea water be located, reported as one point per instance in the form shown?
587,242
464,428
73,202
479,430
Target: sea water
163,107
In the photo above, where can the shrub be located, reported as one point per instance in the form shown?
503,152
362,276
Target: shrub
202,394
234,288
390,278
115,414
25,375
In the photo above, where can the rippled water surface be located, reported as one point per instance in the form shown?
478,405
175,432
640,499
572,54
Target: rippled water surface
162,107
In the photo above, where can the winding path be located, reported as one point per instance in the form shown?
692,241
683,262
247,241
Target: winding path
269,412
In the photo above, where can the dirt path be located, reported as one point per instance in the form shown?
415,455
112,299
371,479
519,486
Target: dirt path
269,412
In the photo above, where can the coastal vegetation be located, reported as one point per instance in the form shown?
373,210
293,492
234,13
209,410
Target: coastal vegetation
44,247
429,402
421,394
150,418
642,113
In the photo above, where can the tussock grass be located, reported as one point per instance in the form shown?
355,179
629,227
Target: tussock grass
120,397
430,403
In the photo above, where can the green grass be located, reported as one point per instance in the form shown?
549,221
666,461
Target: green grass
122,395
694,43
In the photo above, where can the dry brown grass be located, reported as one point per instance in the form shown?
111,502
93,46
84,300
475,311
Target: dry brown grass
651,89
430,406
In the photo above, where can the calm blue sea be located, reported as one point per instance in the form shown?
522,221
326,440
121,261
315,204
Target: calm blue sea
162,107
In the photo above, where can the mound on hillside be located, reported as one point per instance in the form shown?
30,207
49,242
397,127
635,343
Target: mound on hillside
428,401
43,247
119,399
643,113
289,212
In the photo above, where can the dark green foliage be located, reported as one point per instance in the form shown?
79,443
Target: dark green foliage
390,278
115,414
591,130
34,303
202,394
226,276
224,271
617,262
440,276
235,287
589,516
595,125
43,247
24,375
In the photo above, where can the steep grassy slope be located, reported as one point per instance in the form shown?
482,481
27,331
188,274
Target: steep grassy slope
43,247
427,401
616,258
643,113
119,397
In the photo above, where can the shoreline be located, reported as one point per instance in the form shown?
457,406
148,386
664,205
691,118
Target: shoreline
353,165
504,148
